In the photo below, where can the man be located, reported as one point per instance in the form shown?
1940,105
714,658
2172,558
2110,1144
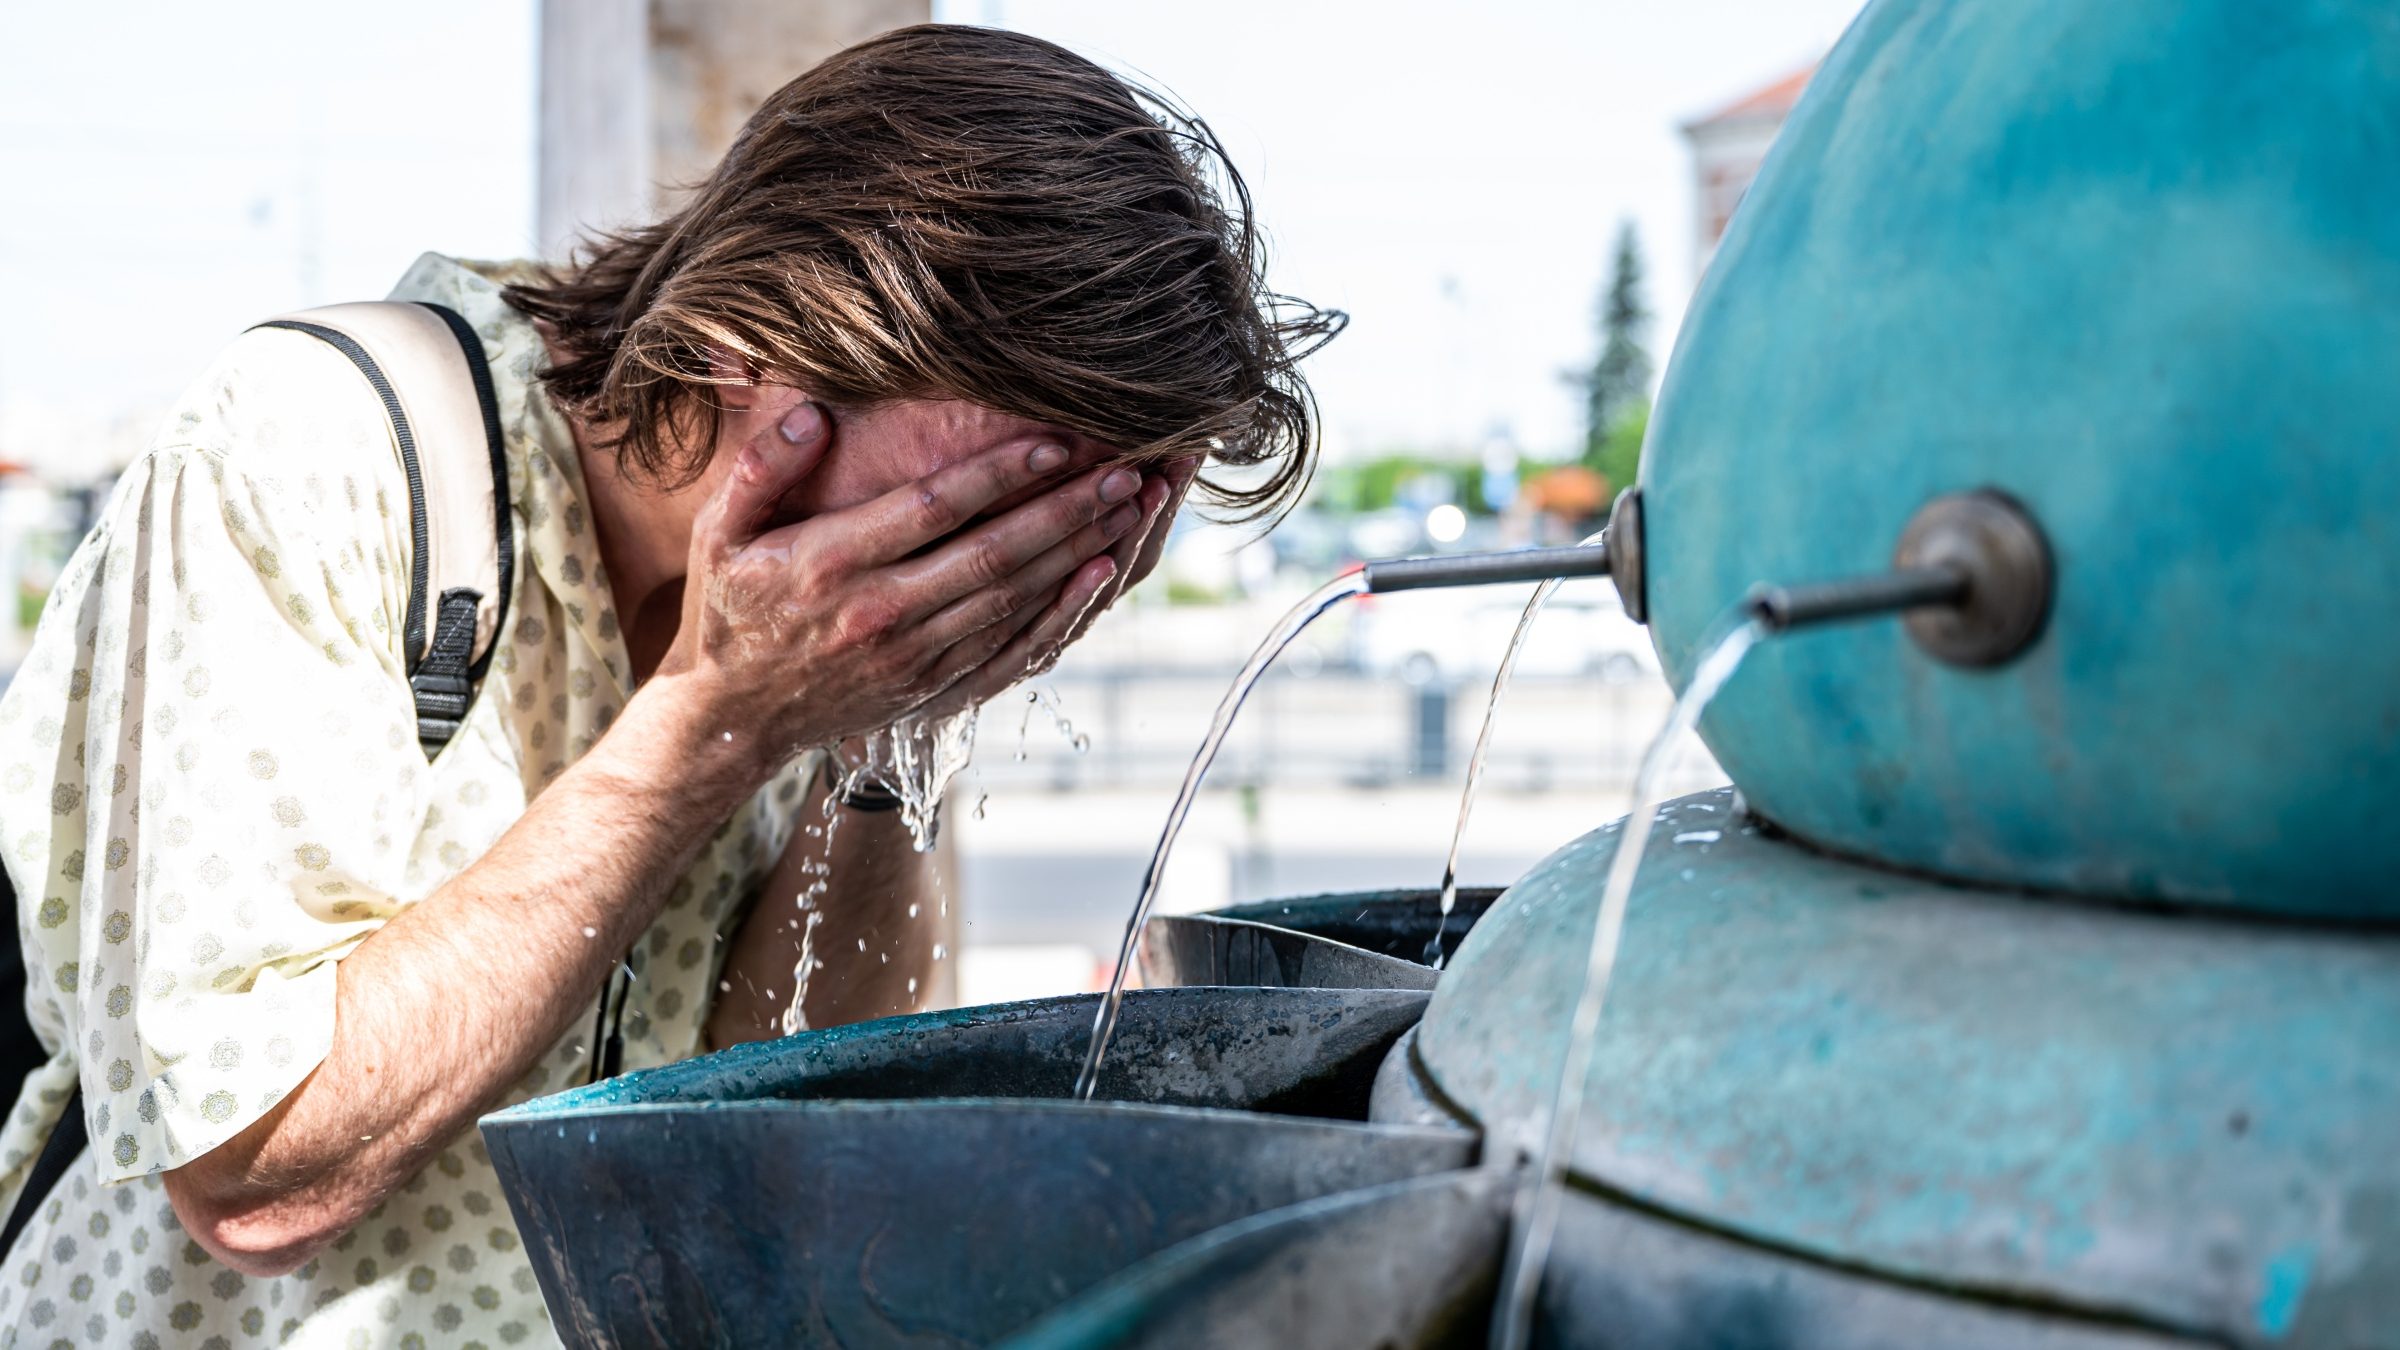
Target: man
872,427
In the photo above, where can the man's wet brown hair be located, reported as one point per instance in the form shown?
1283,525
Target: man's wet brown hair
955,212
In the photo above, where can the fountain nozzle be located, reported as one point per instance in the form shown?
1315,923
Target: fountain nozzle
1486,569
1971,576
1616,553
1785,607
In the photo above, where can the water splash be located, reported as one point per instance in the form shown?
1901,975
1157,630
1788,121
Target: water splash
1483,748
1288,627
916,759
1046,699
1535,1218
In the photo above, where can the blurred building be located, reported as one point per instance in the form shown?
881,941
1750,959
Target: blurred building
639,98
1728,145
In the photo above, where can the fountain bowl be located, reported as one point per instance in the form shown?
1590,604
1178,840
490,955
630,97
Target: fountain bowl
921,1181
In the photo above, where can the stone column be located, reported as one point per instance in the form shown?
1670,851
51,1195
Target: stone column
640,97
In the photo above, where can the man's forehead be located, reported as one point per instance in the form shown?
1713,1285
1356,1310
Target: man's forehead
882,447
956,429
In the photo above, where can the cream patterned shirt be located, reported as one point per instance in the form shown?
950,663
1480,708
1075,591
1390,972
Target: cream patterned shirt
211,791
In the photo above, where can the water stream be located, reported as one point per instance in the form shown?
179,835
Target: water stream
819,873
1483,747
1535,1219
1301,615
915,759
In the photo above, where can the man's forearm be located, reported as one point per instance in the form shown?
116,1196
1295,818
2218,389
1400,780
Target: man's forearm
451,1002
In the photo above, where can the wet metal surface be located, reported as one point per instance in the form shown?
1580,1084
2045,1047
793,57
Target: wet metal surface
1309,1052
736,1199
874,1224
1403,1266
1389,923
1204,949
1402,1096
2181,1120
1625,1278
1414,1264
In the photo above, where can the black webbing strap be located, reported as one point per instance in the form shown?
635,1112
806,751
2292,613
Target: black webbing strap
445,682
479,368
443,674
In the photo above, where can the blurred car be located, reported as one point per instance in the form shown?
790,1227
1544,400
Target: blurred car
1460,635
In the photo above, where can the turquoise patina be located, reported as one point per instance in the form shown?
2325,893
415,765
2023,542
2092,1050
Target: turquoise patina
2137,264
2121,1117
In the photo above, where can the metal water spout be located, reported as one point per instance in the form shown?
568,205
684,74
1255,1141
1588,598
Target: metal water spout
1487,569
1972,575
1617,555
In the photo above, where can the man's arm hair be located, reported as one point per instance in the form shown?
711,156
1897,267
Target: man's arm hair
445,1007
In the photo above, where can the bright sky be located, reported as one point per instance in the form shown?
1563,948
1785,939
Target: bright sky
1451,175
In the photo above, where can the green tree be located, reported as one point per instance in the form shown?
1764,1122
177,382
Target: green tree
1616,391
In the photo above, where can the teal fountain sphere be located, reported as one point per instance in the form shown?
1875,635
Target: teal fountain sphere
2052,999
2137,265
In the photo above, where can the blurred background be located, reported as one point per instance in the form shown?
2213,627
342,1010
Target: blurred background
1512,201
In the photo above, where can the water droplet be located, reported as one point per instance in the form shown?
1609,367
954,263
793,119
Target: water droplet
591,932
912,911
940,951
981,802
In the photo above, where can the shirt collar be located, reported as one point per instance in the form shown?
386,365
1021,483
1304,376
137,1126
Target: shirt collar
545,476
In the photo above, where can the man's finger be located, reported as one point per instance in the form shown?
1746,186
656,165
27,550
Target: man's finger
909,517
1036,576
1137,553
986,669
993,552
763,471
1178,482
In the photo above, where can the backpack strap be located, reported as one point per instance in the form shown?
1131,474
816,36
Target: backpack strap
428,367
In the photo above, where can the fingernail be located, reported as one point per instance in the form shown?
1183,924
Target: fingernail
1119,521
1045,458
803,424
1120,485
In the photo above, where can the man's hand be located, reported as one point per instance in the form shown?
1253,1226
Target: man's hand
1037,648
812,632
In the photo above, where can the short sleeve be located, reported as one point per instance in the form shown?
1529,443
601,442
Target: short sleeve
234,782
